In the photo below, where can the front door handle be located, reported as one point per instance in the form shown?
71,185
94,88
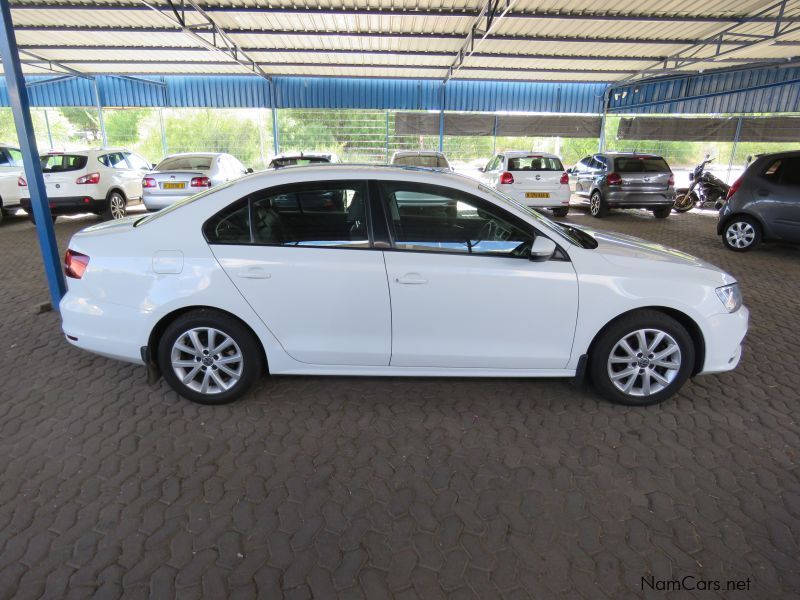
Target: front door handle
254,273
411,279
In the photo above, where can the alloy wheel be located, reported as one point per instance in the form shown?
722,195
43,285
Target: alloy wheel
116,205
740,234
594,204
644,362
207,360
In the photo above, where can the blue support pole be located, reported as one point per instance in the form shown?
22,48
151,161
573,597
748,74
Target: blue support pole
275,137
20,107
441,120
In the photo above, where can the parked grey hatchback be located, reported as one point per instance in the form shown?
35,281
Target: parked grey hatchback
625,180
763,204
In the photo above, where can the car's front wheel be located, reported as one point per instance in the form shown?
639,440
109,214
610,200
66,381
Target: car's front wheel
642,359
597,206
117,206
209,357
662,212
741,234
560,212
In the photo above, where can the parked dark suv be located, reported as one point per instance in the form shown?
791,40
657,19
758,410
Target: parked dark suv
625,180
763,204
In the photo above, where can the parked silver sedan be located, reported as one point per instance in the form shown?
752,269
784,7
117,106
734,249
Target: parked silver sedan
182,175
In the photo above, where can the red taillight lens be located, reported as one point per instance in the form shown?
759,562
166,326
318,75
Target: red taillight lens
564,179
506,178
75,264
89,179
734,188
614,179
200,182
149,182
671,181
21,182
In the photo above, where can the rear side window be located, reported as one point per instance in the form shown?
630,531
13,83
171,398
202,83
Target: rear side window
785,171
57,163
641,164
185,163
534,163
325,214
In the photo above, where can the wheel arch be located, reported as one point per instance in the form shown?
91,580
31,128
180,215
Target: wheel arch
116,188
688,322
164,322
742,213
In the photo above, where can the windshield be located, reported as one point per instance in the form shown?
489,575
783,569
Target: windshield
185,163
565,231
279,163
534,163
57,163
180,203
431,161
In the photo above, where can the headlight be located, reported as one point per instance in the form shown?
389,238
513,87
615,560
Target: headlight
730,296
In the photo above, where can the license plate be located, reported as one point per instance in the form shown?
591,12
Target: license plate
169,185
537,194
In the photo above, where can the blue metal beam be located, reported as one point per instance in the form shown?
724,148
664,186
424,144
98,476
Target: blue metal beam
20,107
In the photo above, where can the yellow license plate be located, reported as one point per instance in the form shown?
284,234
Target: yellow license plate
537,195
173,186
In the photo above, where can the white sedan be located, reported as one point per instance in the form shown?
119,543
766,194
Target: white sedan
323,271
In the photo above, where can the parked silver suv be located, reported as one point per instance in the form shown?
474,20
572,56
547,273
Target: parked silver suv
763,204
624,180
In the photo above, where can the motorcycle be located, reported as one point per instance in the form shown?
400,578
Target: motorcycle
705,189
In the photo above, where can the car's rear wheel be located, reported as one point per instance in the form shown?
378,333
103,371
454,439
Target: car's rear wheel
643,358
597,206
117,206
209,357
662,212
741,234
561,212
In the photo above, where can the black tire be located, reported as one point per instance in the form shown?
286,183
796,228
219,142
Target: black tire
597,205
561,212
685,202
33,219
251,363
749,233
607,341
116,206
662,212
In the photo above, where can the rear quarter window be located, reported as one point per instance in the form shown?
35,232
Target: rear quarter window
534,163
641,164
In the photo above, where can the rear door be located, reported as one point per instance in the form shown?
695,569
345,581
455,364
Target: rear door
302,257
643,174
535,176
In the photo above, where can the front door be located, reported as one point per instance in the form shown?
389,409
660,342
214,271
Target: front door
301,256
465,294
779,193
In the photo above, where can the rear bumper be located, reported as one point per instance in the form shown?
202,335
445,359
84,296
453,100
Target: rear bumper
639,200
158,201
723,339
69,205
558,198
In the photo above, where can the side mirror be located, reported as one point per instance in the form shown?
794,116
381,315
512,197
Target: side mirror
482,169
249,169
542,249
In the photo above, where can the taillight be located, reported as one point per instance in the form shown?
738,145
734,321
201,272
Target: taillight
21,182
149,182
89,179
734,188
564,179
75,264
506,178
671,181
614,179
200,182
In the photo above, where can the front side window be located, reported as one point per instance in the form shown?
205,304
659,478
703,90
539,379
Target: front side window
320,214
428,218
534,163
10,157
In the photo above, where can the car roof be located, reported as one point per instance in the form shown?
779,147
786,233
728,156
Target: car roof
631,154
303,155
181,154
528,153
418,153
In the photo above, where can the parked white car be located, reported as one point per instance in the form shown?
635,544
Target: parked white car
214,289
11,170
182,175
101,180
421,158
535,179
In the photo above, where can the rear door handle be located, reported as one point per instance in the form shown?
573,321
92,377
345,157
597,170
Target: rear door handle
254,273
411,279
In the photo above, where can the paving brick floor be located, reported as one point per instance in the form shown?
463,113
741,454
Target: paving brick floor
348,487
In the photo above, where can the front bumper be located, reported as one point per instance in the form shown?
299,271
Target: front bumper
723,339
69,205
